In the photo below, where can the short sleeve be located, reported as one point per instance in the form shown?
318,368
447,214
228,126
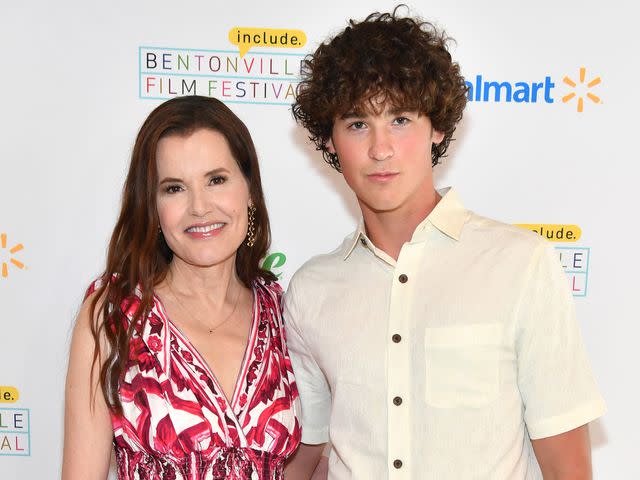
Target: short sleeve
555,380
315,396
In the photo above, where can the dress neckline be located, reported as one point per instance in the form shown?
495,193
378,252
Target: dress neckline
231,403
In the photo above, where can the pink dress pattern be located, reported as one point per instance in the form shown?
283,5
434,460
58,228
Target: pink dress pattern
177,423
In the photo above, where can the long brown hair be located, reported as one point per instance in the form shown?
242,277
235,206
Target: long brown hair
138,254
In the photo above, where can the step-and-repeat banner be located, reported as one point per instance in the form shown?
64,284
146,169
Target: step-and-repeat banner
548,141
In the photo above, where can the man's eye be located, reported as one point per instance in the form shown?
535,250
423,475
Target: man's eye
401,121
357,125
218,180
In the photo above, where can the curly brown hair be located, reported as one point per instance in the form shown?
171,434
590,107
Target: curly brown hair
385,60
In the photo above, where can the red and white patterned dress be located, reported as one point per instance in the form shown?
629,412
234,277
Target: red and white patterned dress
177,423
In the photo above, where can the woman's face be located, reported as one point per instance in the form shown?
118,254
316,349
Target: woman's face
202,198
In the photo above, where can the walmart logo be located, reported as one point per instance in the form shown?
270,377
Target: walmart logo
542,90
7,255
519,92
581,90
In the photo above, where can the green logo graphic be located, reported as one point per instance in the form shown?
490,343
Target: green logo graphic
275,261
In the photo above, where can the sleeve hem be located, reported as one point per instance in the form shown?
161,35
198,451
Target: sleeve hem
315,437
568,421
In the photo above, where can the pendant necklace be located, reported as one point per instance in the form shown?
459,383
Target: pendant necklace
213,328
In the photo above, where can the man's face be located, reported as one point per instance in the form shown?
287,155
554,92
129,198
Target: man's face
386,157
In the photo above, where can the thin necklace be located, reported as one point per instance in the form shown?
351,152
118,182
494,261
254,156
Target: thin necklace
214,328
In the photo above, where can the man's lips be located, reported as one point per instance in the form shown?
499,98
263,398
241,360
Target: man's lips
382,177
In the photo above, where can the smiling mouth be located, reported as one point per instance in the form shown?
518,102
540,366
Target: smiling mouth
205,228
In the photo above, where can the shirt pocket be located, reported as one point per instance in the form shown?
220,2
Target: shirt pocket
462,365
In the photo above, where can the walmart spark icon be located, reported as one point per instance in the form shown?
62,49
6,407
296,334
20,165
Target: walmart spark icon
585,88
12,251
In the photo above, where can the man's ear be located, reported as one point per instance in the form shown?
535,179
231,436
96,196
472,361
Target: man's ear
437,136
330,148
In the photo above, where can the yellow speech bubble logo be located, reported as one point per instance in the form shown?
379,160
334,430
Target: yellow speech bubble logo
246,37
554,232
9,394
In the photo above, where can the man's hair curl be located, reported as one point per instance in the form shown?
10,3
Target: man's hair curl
386,60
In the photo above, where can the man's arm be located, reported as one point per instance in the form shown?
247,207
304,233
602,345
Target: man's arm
566,456
557,386
315,396
304,462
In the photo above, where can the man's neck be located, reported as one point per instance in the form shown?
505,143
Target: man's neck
390,230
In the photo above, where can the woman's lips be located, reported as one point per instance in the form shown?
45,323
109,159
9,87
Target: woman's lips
205,230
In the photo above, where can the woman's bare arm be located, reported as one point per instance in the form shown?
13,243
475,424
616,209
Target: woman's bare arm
88,432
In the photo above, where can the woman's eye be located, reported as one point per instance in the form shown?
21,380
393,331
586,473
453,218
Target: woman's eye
173,189
218,180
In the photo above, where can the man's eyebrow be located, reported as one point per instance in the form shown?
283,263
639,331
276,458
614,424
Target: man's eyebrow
351,114
392,111
401,109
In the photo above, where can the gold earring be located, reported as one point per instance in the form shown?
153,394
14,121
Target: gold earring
251,231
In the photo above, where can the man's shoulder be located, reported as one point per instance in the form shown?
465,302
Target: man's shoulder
322,267
318,279
484,230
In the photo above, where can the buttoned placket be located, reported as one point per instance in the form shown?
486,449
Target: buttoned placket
399,368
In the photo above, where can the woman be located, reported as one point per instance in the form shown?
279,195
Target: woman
178,355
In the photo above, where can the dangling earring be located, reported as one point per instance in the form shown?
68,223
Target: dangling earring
251,231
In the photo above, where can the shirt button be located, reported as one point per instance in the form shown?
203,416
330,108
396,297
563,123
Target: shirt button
363,242
403,278
396,338
397,401
397,463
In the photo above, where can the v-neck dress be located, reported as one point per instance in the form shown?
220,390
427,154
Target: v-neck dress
177,424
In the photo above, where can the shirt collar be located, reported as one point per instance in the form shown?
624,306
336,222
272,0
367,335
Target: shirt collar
359,236
448,216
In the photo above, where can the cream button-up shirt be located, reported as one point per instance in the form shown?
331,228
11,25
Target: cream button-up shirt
445,363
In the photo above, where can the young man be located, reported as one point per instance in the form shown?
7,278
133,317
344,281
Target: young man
433,343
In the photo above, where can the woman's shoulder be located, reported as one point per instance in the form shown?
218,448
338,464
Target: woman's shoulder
130,297
268,287
93,287
269,295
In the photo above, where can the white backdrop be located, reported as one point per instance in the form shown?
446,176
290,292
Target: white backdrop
73,80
